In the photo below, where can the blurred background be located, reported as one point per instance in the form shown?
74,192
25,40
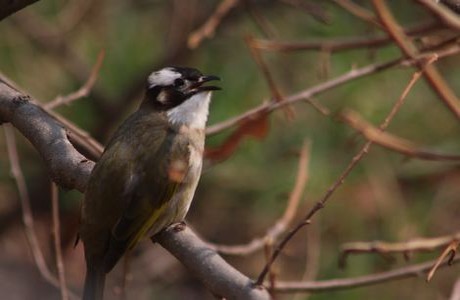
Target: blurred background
50,48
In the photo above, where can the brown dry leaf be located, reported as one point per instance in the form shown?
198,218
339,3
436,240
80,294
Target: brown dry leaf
256,126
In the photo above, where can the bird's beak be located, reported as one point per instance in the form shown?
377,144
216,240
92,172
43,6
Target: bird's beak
199,87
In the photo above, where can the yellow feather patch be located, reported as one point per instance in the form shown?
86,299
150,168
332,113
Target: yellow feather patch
147,225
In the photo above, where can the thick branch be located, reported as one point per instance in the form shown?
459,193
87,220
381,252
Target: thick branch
8,7
66,166
208,266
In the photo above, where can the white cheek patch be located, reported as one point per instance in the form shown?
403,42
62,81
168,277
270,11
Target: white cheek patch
162,97
164,77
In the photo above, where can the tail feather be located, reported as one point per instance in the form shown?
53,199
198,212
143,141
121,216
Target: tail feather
94,283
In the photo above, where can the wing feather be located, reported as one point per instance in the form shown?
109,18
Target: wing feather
148,194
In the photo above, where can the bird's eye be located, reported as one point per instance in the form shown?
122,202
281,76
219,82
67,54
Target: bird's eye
179,82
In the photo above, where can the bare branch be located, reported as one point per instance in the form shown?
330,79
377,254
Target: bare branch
359,12
381,247
270,106
48,38
409,49
313,9
391,141
282,224
349,283
27,217
208,29
8,7
274,89
83,91
454,5
312,259
446,15
259,19
320,204
66,166
208,266
451,251
339,44
57,241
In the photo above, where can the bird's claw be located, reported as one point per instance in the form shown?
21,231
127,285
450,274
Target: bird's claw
178,227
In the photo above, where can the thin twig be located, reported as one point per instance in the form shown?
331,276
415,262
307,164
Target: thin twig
270,106
282,224
446,15
381,247
390,141
208,29
454,5
57,241
75,134
274,89
260,20
450,251
359,12
83,91
339,44
320,204
268,249
432,75
312,259
313,9
27,217
349,283
73,13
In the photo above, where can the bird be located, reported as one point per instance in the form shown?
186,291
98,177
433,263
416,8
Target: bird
146,177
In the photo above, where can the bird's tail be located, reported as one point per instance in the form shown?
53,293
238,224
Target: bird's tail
94,283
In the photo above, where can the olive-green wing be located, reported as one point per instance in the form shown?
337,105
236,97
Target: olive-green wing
148,193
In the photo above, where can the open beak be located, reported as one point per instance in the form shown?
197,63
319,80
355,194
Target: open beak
199,87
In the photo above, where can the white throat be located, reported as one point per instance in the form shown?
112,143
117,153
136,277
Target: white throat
193,113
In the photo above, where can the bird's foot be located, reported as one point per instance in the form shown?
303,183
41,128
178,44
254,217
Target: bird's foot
178,227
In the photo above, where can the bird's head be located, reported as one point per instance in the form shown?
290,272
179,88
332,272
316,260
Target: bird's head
172,86
180,92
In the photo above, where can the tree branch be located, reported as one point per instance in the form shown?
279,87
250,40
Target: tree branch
270,106
431,74
357,158
449,17
406,247
66,166
208,266
348,283
8,7
341,43
280,227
